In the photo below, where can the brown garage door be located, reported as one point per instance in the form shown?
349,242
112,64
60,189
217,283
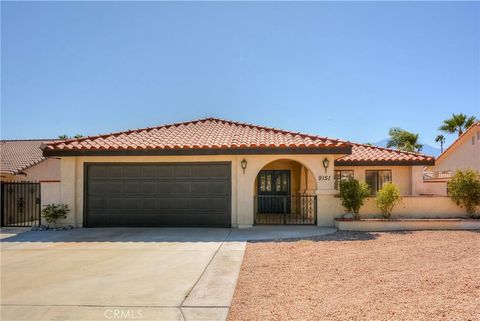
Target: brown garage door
166,194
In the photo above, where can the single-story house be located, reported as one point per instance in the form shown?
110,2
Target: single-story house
463,153
220,173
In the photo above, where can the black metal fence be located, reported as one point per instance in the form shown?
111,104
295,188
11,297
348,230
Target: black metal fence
20,204
288,209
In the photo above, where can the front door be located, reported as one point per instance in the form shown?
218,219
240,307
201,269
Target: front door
274,191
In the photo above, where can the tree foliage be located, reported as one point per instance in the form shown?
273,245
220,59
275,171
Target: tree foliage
403,140
458,123
464,189
387,197
440,139
353,194
64,136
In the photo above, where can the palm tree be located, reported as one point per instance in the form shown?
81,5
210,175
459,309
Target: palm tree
440,139
457,124
403,140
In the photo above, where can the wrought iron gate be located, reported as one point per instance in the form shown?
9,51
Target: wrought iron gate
20,204
288,210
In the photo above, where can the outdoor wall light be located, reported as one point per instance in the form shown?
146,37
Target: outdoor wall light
243,163
326,162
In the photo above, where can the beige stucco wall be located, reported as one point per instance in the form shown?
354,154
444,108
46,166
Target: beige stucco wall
50,193
401,175
464,154
409,207
47,170
242,183
407,225
434,188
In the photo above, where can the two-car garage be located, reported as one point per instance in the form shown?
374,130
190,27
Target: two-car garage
157,194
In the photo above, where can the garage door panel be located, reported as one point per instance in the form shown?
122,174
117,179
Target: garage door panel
182,187
131,204
147,203
95,203
200,204
114,171
149,187
165,204
149,171
220,187
133,171
165,187
115,203
200,188
158,194
181,171
133,187
219,204
200,171
182,203
165,171
96,171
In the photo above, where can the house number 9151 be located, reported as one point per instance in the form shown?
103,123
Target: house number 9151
324,177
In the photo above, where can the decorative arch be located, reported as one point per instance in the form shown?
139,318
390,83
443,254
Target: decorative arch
284,192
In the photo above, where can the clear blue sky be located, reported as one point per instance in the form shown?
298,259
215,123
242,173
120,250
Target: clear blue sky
345,70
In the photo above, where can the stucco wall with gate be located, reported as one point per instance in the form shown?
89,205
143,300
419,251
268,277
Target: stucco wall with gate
243,187
243,184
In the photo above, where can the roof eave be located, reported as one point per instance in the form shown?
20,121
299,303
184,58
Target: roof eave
347,150
387,163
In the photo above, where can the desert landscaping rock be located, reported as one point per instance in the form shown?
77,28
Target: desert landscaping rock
426,275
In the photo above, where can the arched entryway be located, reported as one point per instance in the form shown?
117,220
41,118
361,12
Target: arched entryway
285,194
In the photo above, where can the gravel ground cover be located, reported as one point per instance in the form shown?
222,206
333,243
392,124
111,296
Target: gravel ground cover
423,275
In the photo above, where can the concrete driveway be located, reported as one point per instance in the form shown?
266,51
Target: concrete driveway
126,273
129,274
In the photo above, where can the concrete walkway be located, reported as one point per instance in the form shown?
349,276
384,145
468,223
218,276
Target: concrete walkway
130,274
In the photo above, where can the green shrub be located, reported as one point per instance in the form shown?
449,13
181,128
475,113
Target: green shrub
52,212
353,194
387,197
464,189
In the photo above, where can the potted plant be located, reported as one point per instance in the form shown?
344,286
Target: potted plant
353,194
53,212
387,197
464,189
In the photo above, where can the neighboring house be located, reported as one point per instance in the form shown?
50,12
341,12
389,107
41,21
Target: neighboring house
214,172
23,160
463,153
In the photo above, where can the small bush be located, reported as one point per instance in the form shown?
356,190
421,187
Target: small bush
387,197
464,189
353,194
52,212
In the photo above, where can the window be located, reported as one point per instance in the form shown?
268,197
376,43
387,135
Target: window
376,179
473,140
341,176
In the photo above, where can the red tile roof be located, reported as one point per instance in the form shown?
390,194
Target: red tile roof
212,133
209,133
373,155
18,155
